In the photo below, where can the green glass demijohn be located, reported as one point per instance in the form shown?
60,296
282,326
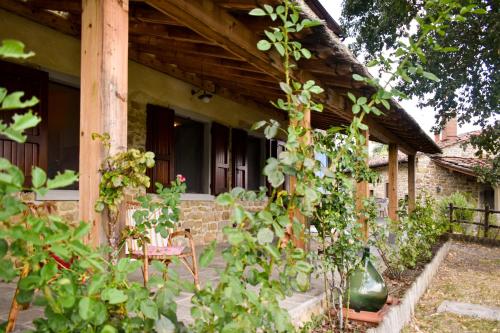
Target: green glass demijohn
367,289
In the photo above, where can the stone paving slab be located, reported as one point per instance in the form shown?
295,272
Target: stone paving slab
471,310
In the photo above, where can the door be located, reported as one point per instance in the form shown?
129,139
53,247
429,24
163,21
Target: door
220,159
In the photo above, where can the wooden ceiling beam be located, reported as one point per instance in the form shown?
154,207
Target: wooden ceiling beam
150,15
167,32
149,61
73,6
175,56
155,44
213,22
61,23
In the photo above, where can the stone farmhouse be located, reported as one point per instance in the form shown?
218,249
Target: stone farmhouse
440,174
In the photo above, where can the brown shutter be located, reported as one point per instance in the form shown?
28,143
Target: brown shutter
239,158
220,159
34,151
160,140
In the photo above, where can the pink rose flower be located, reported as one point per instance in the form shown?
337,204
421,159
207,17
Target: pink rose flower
181,178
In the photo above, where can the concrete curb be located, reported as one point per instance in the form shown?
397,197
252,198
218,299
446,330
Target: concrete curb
398,316
308,309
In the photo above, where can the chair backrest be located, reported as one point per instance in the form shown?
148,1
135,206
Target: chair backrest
155,237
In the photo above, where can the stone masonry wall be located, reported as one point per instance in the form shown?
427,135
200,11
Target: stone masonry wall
432,178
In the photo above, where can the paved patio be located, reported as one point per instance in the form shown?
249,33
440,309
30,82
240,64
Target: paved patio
299,305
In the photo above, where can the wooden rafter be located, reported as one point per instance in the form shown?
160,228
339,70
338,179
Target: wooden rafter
167,32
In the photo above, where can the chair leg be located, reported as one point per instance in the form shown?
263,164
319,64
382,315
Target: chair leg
195,265
15,307
145,267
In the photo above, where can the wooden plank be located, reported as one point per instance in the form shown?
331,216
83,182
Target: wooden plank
411,182
158,44
393,182
167,32
104,80
362,192
74,6
60,23
213,22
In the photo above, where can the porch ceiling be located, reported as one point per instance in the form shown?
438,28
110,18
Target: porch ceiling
211,45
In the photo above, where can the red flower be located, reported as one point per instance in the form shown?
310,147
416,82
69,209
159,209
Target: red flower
181,178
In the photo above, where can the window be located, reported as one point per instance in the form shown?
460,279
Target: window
254,157
188,150
34,151
54,144
64,126
220,159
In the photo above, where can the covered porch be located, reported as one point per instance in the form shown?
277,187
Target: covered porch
143,70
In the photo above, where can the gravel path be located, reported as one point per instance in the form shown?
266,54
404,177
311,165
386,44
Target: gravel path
471,274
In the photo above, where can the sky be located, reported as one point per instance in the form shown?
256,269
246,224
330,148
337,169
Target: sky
424,116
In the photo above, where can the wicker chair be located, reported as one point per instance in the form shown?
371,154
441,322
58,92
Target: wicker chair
159,248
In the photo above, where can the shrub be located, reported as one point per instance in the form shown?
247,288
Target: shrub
414,235
457,199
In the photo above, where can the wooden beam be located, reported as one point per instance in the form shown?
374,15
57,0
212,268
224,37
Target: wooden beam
393,182
156,44
150,61
150,15
60,23
362,193
175,57
213,22
411,182
74,6
104,81
167,32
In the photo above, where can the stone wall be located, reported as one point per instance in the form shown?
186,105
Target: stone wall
430,177
206,219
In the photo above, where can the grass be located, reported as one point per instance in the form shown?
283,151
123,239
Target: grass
470,273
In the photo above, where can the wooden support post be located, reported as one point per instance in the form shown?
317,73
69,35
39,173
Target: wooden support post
103,101
393,181
411,183
362,193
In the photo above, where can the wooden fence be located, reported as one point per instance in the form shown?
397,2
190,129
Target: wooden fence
486,212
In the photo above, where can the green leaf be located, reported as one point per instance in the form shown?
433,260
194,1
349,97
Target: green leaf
280,48
114,296
430,76
11,48
164,325
224,199
316,90
4,247
3,93
270,131
208,255
24,121
286,88
84,308
306,53
358,77
362,100
356,108
149,309
38,177
258,125
257,12
263,45
13,101
48,271
265,236
108,329
351,97
62,180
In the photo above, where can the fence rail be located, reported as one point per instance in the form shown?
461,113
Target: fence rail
486,220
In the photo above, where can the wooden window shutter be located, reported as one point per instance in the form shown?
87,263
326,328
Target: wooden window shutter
160,140
220,159
239,158
34,151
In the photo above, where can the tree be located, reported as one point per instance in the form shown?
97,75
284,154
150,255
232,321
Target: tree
464,55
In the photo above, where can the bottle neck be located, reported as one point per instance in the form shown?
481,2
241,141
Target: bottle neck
366,254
